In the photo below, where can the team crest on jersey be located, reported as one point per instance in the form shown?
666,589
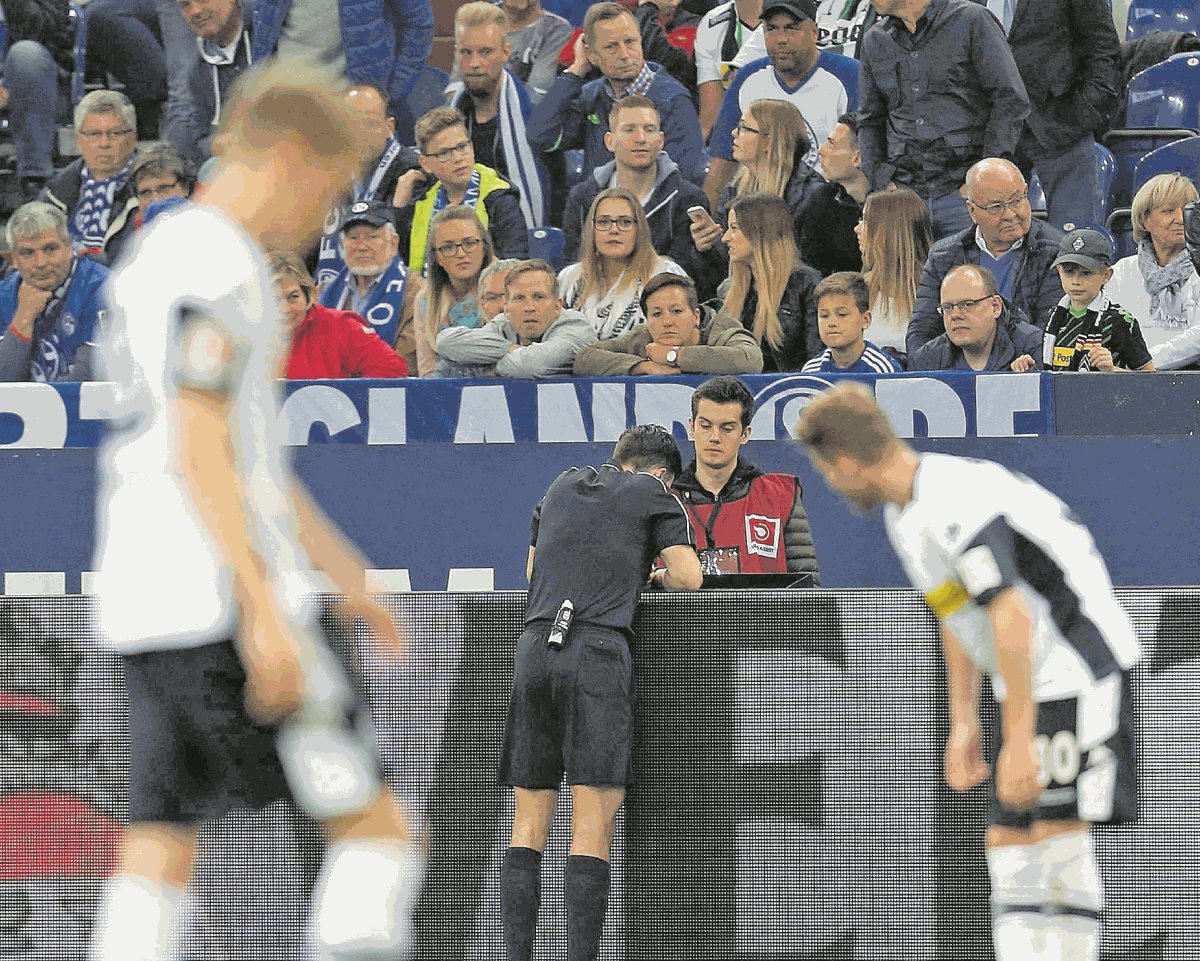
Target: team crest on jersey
762,535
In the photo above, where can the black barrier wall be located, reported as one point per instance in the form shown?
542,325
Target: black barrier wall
789,802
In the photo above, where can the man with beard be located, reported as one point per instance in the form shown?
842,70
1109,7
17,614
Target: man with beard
495,103
375,283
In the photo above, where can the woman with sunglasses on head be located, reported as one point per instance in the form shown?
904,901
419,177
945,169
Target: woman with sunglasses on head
460,249
617,257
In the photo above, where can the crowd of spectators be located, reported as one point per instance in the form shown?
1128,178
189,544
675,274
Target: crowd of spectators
741,187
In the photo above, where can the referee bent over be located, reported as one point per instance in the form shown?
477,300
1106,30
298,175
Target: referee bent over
595,535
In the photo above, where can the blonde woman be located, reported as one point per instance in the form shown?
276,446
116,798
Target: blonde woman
894,235
617,257
769,288
460,249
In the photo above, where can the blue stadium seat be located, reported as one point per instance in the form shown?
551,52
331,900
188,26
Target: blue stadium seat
1106,176
1146,16
547,243
1037,197
1162,105
428,92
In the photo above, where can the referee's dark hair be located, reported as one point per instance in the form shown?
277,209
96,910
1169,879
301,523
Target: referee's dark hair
647,446
725,390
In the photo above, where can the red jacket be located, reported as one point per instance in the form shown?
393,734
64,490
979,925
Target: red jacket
330,344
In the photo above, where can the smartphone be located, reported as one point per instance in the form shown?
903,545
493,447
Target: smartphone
699,215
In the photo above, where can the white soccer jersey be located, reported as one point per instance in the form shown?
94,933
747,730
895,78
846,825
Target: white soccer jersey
711,33
193,286
974,529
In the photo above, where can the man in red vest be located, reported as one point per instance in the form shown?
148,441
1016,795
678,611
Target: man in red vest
744,521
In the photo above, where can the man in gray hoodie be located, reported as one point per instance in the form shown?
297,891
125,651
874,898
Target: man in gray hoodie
534,337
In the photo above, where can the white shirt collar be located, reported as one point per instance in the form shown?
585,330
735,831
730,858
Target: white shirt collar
982,244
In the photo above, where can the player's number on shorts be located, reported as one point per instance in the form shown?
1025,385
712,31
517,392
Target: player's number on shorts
1058,758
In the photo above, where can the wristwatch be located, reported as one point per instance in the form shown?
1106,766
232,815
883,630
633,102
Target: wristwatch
673,356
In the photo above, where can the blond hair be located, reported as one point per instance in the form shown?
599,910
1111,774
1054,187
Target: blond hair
643,262
846,421
435,122
899,235
480,14
766,222
437,296
284,263
1165,190
785,139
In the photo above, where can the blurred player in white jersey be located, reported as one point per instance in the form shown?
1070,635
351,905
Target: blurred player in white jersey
1022,593
204,540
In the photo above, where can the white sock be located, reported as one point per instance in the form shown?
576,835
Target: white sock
1075,896
135,920
1018,926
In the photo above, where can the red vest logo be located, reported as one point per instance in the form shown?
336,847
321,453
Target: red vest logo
762,535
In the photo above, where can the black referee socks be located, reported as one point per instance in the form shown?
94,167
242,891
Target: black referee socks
587,904
520,897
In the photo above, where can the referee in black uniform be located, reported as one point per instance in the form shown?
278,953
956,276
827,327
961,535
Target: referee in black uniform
594,537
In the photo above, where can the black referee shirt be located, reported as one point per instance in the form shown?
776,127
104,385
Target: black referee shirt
596,533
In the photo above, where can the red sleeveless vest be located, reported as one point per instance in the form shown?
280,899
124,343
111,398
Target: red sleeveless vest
753,524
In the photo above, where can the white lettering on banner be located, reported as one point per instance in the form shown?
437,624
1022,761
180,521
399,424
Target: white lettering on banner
483,417
387,415
97,400
998,399
903,400
662,404
316,404
778,405
608,412
42,413
559,417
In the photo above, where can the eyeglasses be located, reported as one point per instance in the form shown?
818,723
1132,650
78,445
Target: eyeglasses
95,136
1000,206
623,224
145,194
458,150
947,309
744,127
468,245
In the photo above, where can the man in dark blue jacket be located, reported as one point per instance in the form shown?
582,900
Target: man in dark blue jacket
574,112
223,39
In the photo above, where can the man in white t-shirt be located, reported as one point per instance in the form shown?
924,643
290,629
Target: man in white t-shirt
1022,593
205,538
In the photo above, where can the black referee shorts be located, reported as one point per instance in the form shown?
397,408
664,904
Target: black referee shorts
571,711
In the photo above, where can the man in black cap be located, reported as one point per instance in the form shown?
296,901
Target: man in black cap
375,283
595,534
1087,330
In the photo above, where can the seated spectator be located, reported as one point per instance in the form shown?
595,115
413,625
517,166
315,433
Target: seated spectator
51,305
828,242
733,28
617,259
821,85
158,174
1159,284
38,55
720,492
124,41
489,292
226,52
535,336
94,191
535,38
640,164
843,313
326,344
494,103
679,337
1088,330
451,177
375,284
894,235
574,112
770,290
981,332
461,252
1005,239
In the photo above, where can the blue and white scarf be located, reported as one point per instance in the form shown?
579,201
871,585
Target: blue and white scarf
470,198
93,211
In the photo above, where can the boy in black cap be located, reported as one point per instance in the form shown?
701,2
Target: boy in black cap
1087,331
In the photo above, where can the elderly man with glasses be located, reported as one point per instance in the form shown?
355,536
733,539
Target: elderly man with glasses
1005,239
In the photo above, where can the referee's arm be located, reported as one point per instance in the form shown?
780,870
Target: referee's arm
681,570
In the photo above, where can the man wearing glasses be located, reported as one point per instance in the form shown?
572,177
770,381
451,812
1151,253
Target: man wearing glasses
94,191
449,175
1005,239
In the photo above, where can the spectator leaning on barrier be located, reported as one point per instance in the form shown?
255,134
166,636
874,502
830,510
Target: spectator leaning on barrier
51,306
939,91
375,284
744,520
535,39
449,175
1005,239
326,343
94,191
574,112
843,314
223,39
534,337
679,337
494,103
981,333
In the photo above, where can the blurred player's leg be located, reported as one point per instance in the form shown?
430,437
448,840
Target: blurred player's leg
1076,895
1018,897
593,819
521,872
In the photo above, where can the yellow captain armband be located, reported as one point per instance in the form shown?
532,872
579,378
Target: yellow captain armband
946,598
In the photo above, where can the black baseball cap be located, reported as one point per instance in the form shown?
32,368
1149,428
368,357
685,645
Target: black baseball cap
800,9
1085,247
368,212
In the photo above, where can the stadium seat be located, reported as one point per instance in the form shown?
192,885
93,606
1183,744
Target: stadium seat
1037,197
1106,176
1162,105
1147,16
546,243
428,92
